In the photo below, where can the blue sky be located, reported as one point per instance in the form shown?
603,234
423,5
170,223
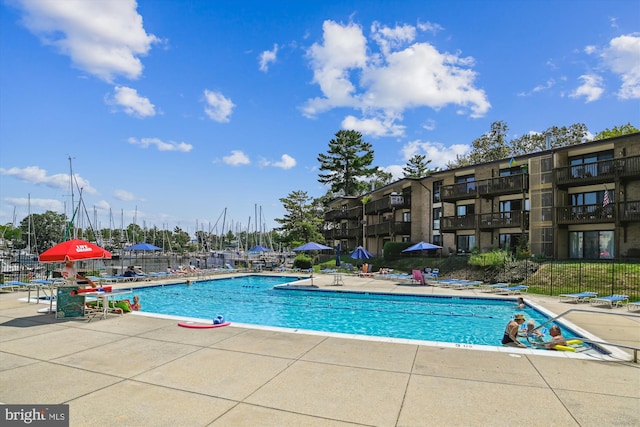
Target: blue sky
175,111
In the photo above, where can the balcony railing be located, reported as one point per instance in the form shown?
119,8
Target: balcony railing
503,219
453,223
503,185
388,203
338,214
585,214
459,191
629,211
343,233
389,228
597,172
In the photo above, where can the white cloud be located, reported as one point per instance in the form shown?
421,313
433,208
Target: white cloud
236,158
132,103
374,126
36,175
623,58
102,205
438,153
218,108
36,204
591,88
161,145
286,162
267,57
382,85
103,38
124,195
590,49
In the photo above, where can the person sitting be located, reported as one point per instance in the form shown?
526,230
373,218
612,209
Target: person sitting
383,270
69,273
136,303
510,336
531,332
130,272
557,338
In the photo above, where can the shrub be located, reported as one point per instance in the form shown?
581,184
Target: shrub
303,261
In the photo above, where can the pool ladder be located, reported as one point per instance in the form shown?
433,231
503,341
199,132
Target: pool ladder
630,347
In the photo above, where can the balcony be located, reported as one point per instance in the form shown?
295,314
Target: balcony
449,224
342,233
585,214
597,172
339,214
388,203
629,212
495,220
503,185
388,228
459,191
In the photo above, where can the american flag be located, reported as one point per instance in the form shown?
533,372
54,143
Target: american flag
605,200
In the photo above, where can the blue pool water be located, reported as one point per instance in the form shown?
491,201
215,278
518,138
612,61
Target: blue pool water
253,300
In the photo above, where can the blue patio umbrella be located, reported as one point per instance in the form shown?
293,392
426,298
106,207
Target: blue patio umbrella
338,250
361,253
259,248
312,246
422,246
144,247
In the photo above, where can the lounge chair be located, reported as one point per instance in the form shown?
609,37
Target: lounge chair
13,285
467,285
632,306
579,297
611,300
513,290
494,287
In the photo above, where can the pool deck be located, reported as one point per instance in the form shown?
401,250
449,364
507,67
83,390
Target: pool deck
135,370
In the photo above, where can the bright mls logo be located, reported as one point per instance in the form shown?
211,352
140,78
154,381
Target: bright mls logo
83,248
36,415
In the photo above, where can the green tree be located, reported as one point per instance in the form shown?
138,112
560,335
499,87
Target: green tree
417,167
301,222
347,163
47,230
379,179
616,131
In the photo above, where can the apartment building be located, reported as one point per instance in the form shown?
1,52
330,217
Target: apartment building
580,201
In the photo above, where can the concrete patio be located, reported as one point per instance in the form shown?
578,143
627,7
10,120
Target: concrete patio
135,370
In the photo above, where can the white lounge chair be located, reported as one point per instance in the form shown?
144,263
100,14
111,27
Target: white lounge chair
579,297
611,300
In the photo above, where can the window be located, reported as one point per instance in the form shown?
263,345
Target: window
591,244
464,210
592,164
470,180
465,243
437,186
437,239
437,214
406,216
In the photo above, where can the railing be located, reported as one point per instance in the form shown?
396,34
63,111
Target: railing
504,219
459,191
388,203
597,172
585,214
452,223
388,228
629,211
590,341
503,185
337,214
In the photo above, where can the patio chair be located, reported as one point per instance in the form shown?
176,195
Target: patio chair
612,300
579,297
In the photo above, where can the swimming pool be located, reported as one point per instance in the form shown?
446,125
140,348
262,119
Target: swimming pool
254,300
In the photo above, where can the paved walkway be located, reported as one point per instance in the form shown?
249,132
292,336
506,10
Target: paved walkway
135,370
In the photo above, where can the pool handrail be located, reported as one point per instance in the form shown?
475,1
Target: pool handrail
589,341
